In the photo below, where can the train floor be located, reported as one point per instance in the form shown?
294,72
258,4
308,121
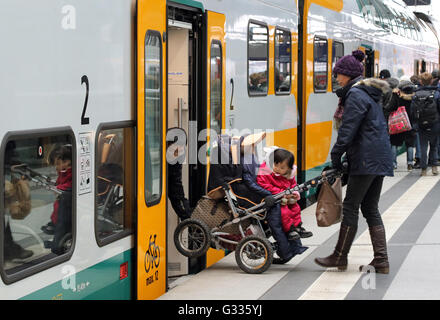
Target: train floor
410,208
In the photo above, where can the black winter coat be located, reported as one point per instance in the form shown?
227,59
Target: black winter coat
363,134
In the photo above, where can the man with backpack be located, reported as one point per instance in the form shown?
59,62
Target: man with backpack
426,112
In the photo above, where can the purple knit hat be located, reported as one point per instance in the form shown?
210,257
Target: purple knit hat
350,65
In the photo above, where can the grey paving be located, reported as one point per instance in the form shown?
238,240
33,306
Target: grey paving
294,283
400,245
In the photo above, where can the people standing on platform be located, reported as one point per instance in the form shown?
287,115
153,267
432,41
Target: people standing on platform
426,112
415,80
363,129
384,74
402,96
436,82
387,96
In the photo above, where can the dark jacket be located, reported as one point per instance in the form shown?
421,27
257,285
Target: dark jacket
250,171
436,128
363,134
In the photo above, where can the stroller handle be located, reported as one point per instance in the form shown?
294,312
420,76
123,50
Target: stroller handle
36,177
313,183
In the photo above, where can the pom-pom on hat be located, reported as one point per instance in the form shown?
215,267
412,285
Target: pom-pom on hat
350,65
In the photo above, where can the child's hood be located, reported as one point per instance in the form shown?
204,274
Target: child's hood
265,169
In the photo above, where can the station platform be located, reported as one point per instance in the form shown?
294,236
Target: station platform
410,208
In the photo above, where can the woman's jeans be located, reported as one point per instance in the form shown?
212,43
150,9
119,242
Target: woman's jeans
362,191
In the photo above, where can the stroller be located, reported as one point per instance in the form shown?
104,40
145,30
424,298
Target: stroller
225,219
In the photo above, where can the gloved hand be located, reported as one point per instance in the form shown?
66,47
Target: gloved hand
337,163
269,201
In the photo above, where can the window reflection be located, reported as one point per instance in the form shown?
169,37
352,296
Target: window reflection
216,87
282,61
338,53
153,118
37,201
320,64
115,183
258,59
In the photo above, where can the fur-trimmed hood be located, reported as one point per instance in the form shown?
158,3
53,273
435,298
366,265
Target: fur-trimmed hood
375,88
406,96
375,83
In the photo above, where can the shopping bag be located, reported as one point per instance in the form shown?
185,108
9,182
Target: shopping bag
398,121
329,205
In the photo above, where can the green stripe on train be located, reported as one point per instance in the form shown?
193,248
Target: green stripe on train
98,282
190,3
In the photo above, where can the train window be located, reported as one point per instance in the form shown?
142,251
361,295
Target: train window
320,64
114,192
216,86
37,206
153,118
258,53
337,53
283,61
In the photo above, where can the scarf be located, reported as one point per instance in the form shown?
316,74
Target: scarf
342,93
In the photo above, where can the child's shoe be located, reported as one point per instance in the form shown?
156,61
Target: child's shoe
293,234
49,228
303,233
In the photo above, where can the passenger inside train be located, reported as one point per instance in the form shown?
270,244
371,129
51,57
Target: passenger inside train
176,192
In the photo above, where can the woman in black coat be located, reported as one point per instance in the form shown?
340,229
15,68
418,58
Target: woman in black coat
363,137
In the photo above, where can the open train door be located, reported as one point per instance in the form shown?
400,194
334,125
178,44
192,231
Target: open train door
216,75
151,116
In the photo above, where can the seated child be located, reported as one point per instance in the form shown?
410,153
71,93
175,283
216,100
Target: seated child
63,166
280,179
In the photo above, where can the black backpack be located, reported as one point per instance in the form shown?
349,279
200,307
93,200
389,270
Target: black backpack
425,108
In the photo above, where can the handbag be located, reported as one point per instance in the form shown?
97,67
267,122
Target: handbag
398,121
329,204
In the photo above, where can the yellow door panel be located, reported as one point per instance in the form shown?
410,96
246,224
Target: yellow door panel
151,115
216,49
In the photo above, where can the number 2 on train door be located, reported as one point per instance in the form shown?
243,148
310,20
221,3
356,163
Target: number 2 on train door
151,93
84,119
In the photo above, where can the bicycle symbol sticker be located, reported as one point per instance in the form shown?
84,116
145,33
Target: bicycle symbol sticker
152,259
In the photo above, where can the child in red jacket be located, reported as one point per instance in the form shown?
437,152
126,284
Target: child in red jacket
63,166
279,179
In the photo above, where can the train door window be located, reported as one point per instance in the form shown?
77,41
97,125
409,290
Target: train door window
337,53
320,64
369,63
258,58
37,204
153,118
216,86
114,192
423,67
283,61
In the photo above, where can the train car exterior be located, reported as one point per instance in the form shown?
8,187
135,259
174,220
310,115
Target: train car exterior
67,79
94,88
387,32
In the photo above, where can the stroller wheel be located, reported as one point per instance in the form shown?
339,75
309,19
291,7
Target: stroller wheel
254,254
192,238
